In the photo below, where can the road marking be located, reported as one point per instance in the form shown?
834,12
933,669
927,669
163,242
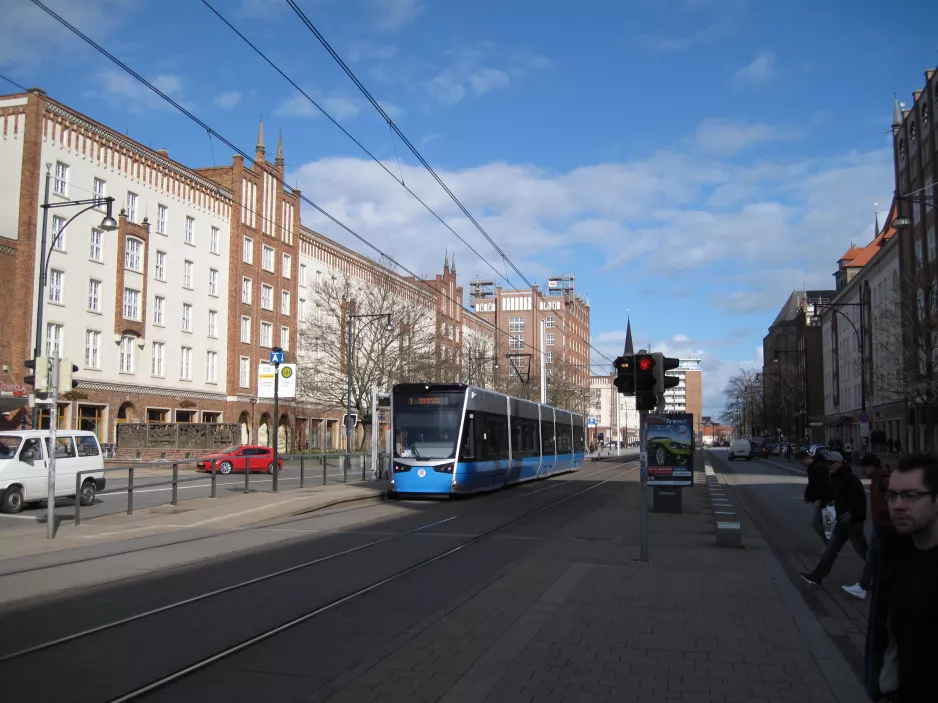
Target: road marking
21,517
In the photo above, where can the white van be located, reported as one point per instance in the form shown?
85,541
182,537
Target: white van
740,449
24,467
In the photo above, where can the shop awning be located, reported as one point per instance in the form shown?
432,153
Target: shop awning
9,403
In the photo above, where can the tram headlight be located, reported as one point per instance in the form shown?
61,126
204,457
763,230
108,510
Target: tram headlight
398,468
444,468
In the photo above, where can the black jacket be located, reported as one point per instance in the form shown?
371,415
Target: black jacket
819,484
849,494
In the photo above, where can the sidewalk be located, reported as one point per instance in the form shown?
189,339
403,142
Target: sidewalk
578,619
155,538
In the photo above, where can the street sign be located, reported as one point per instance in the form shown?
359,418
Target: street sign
591,421
265,380
276,357
864,418
864,429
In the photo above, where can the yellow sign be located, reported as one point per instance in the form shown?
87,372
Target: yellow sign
286,372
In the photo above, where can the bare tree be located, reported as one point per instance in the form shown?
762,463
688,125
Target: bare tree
381,355
478,359
743,406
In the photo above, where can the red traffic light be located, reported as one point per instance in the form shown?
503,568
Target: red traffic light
644,363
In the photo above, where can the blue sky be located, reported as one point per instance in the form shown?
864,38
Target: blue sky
691,161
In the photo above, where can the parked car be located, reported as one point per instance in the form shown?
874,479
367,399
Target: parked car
240,458
758,449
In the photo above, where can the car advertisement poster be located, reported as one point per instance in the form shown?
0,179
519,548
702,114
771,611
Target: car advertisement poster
670,448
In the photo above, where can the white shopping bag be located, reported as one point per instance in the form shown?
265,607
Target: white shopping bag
829,518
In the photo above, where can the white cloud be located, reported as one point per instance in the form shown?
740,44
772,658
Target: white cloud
760,70
471,72
297,105
427,138
721,137
121,88
391,15
680,338
29,37
228,99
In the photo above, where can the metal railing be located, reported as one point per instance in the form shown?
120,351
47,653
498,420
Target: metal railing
236,462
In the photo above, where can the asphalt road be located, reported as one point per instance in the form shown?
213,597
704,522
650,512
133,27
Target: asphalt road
772,491
469,542
152,486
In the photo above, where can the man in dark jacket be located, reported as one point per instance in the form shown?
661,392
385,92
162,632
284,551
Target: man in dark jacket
883,530
818,490
901,646
850,504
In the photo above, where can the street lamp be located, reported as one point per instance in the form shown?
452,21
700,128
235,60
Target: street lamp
253,429
108,224
350,318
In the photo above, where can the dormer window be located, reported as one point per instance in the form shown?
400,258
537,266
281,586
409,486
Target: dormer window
911,132
925,116
902,148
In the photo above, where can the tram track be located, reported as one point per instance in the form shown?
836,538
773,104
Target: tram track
48,649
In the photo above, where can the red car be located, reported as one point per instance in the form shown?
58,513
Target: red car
237,459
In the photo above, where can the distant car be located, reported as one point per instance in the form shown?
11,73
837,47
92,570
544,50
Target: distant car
758,449
664,451
236,459
740,449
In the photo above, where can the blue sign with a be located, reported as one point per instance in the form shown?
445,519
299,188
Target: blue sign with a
276,357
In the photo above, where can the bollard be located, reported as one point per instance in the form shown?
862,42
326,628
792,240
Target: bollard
176,483
302,470
729,534
130,491
213,479
324,469
77,499
247,477
363,467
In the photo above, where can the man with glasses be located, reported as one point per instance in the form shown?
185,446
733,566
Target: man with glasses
902,639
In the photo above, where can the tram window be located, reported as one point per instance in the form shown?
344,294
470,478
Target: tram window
563,440
517,435
547,436
578,436
468,451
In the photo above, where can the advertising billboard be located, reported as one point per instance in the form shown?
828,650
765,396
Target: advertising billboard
670,448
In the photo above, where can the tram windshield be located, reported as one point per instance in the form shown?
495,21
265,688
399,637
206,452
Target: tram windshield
426,425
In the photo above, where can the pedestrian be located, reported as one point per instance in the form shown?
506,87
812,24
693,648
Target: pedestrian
898,445
889,445
818,491
901,642
850,505
788,452
882,532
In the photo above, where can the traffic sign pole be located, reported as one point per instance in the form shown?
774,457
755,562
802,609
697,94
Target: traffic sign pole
276,358
643,488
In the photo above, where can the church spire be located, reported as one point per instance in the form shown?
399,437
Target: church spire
875,220
452,263
280,149
629,348
896,115
260,137
446,261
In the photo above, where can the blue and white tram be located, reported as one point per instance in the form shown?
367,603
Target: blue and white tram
453,438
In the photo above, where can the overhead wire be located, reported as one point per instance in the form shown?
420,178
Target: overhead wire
394,130
88,40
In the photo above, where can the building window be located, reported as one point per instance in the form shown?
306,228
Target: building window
267,262
301,311
287,266
160,269
61,179
186,317
54,339
550,357
97,241
190,230
246,329
99,190
929,194
92,349
94,295
285,338
211,367
267,297
516,341
267,333
213,282
131,206
550,320
550,339
158,305
916,212
931,244
58,233
244,375
127,354
131,304
56,286
285,302
246,292
516,324
156,358
302,274
187,269
133,254
161,219
185,364
212,323
247,251
918,253
213,241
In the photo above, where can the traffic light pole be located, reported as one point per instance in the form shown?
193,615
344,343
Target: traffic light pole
53,426
643,488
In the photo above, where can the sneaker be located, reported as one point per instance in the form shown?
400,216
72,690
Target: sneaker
856,591
810,580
